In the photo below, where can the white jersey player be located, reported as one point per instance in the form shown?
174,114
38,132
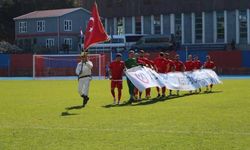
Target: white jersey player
83,70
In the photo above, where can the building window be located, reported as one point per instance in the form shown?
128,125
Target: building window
40,26
67,25
120,26
178,28
138,24
50,43
198,26
243,24
22,27
157,25
220,25
68,42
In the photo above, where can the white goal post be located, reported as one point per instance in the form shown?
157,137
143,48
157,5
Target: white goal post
64,65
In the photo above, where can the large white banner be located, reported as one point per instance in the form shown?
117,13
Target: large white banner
143,77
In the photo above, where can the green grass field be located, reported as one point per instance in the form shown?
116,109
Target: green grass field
30,118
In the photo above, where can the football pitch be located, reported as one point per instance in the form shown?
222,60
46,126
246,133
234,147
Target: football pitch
44,114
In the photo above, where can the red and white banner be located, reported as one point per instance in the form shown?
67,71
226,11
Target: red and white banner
143,77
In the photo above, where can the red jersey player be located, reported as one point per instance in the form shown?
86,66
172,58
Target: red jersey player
170,67
170,63
161,67
197,63
197,66
116,71
189,64
160,63
209,65
179,66
142,60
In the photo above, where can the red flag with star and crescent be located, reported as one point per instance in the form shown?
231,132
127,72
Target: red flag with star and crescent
95,32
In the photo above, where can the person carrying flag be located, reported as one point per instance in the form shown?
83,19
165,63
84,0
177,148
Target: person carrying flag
116,70
94,34
83,70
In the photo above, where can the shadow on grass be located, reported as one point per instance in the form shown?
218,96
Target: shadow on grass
120,105
126,103
213,92
155,100
74,107
66,113
173,97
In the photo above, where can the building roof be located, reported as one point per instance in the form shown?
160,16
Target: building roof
48,13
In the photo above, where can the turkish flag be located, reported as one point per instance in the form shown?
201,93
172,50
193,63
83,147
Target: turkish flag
95,32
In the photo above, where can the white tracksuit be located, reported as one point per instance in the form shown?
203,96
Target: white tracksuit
84,69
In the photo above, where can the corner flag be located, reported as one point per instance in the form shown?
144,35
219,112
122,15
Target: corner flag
95,32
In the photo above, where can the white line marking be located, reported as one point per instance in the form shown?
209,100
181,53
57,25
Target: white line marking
132,130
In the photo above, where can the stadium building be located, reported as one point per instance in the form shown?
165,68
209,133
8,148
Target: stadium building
202,24
219,28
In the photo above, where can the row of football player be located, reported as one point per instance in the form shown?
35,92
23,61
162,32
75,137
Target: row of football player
162,64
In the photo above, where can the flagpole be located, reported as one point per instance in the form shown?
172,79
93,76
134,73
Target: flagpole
81,38
111,38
